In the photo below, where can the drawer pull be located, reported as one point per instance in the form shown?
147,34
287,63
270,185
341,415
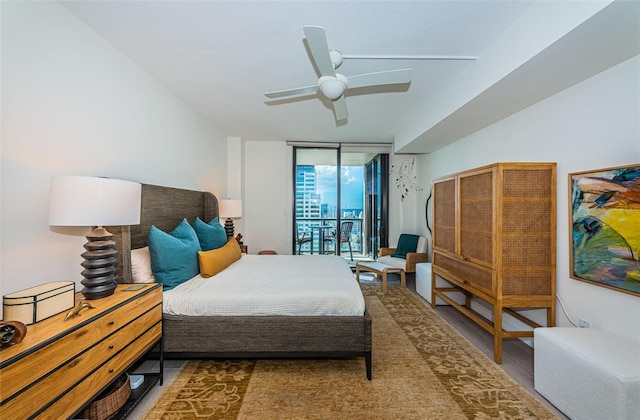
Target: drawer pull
110,370
111,347
111,323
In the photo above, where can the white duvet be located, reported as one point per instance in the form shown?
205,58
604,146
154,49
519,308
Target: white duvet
258,285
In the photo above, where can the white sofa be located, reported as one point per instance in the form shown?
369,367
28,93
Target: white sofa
588,373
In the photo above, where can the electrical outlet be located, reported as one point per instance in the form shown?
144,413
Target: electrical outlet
583,323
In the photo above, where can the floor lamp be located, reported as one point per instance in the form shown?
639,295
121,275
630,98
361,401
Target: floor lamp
92,201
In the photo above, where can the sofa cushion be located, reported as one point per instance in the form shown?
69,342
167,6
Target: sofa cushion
392,261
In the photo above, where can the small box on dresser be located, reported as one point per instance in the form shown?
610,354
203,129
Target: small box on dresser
38,303
60,366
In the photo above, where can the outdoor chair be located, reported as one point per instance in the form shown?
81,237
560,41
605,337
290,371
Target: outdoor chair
345,237
302,238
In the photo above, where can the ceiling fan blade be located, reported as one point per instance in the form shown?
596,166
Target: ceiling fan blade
340,109
317,41
292,92
406,57
380,78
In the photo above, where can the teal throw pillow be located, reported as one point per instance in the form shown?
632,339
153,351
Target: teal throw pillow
211,235
407,243
174,255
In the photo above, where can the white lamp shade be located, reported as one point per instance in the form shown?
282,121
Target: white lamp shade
230,208
93,201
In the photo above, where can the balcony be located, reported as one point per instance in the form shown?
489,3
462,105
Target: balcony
319,229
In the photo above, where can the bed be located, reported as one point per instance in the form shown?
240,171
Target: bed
237,335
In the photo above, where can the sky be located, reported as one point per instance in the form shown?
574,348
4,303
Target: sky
352,185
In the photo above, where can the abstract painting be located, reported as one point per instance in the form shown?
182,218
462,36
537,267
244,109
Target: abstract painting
605,227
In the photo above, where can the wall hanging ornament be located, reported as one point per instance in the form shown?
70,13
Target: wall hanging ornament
405,179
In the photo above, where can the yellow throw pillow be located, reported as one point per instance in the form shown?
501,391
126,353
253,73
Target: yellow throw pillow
214,261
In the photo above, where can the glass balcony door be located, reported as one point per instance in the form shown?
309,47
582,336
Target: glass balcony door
376,209
333,186
316,192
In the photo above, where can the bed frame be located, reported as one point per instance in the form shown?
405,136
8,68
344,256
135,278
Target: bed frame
235,336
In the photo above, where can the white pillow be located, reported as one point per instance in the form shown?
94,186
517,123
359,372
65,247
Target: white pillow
141,266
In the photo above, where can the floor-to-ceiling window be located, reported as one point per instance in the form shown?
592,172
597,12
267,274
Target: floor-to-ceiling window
376,204
338,188
316,193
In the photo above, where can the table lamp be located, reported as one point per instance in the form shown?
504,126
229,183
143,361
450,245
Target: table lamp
95,202
230,209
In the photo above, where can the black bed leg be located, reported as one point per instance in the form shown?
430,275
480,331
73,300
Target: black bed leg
367,361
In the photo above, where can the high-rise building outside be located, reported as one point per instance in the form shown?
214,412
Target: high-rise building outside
311,210
308,202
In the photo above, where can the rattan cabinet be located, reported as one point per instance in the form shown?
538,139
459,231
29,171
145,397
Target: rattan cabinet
494,236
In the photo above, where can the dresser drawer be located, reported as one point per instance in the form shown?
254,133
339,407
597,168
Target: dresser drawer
68,404
117,319
17,376
39,393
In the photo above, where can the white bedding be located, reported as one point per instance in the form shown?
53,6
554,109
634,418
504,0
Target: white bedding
258,285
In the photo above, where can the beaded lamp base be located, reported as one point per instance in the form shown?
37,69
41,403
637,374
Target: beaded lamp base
100,277
228,227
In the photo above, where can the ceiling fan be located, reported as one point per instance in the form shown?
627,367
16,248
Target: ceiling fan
333,85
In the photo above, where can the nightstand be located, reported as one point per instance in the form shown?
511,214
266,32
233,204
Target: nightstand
61,366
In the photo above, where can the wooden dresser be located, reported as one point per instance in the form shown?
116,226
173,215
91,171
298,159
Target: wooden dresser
494,237
60,366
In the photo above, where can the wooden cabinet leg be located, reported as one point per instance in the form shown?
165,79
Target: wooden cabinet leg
433,289
497,333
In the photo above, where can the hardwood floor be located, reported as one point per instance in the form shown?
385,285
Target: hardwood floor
517,357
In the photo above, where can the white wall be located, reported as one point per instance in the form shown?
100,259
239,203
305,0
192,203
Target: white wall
268,195
405,214
592,125
234,180
73,105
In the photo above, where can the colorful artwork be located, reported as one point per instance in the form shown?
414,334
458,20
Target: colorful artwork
605,227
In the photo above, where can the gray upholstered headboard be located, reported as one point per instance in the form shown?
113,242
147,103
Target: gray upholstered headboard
164,207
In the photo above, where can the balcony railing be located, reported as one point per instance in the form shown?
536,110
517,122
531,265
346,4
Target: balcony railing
319,229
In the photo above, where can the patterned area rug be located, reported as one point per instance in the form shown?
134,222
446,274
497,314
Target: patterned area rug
422,369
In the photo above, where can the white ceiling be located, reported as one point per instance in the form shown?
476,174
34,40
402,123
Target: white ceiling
221,56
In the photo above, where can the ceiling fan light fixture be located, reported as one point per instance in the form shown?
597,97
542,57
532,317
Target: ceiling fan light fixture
333,87
336,58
